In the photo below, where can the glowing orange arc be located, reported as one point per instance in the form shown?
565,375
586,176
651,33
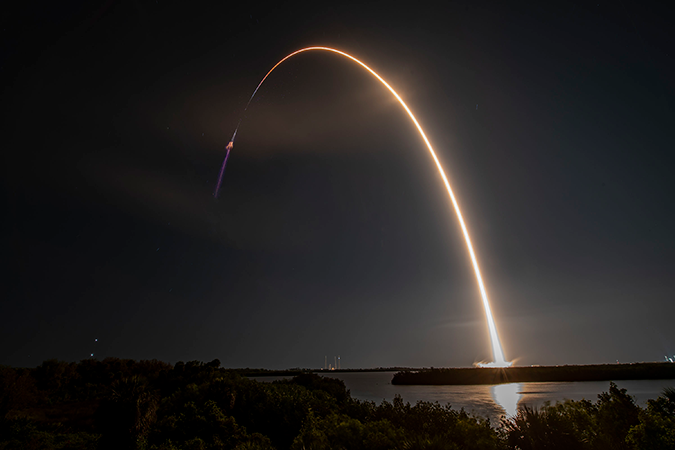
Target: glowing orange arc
497,353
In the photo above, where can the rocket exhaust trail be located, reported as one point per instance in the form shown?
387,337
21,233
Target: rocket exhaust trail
222,169
230,144
497,353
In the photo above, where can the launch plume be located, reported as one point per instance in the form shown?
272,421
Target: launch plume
497,353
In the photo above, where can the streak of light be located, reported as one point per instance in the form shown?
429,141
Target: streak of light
497,352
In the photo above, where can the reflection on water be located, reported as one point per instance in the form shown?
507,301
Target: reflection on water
492,402
507,396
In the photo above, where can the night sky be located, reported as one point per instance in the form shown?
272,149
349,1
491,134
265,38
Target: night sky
333,234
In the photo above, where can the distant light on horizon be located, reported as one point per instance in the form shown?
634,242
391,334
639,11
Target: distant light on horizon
495,364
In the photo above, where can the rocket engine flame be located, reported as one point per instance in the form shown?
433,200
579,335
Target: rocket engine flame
497,352
229,147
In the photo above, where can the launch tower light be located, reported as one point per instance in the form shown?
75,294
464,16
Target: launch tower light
339,365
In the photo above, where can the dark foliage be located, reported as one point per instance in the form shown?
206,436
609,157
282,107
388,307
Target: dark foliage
124,404
613,422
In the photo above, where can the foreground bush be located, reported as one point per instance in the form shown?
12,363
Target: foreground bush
124,404
614,422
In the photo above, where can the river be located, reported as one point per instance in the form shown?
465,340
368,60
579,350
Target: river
492,401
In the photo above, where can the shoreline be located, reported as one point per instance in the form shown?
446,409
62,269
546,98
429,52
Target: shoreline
525,374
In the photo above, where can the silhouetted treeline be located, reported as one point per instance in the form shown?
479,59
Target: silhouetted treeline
591,372
125,404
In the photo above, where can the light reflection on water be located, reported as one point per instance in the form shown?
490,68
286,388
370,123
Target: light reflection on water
491,401
507,396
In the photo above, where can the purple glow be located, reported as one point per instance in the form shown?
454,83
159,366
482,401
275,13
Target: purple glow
222,169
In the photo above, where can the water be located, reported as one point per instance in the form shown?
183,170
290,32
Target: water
492,401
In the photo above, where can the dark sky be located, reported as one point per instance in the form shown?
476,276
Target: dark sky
333,234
